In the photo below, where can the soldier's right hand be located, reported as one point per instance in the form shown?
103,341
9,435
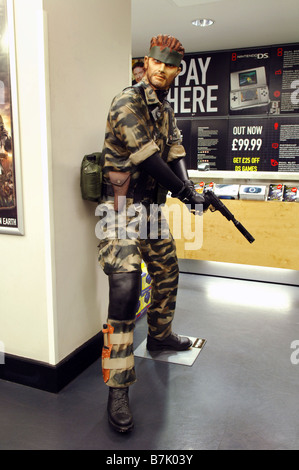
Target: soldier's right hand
189,196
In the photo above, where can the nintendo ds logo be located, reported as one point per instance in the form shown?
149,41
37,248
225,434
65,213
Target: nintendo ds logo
258,55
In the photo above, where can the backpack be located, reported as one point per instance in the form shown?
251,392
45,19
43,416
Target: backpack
91,177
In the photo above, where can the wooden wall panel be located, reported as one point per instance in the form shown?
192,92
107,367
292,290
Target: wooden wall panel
273,224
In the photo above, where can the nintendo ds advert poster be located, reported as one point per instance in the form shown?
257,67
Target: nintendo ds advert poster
238,110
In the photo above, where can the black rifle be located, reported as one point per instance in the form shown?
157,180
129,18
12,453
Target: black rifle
218,205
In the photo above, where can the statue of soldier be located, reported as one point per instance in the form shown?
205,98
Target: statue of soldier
143,159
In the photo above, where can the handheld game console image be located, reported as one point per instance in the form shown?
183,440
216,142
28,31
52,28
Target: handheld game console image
249,89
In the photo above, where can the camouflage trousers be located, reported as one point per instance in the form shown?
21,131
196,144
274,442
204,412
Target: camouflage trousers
126,255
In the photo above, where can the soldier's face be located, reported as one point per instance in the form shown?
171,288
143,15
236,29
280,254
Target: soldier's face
160,75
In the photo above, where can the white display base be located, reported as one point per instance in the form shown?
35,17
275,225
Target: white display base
185,358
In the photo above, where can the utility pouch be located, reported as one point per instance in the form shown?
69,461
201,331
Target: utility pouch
106,351
116,364
91,177
120,182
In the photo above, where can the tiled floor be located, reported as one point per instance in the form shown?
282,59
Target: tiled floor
241,392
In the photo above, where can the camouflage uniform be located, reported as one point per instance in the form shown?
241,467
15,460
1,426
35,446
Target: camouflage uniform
138,126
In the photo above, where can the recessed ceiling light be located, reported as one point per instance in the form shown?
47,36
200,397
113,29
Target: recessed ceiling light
203,22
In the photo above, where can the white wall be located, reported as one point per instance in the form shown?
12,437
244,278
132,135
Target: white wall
72,58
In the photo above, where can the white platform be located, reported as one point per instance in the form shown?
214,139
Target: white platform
185,358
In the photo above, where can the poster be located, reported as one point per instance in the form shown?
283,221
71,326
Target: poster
201,87
284,89
249,79
238,110
11,221
284,145
209,142
248,145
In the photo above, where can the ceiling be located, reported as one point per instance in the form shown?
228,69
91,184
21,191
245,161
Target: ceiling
238,23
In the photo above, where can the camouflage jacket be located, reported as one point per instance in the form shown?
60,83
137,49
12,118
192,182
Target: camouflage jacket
138,126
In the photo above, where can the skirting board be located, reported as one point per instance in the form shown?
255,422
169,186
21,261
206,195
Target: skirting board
47,377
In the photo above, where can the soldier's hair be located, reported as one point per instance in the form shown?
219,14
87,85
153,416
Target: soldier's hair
163,40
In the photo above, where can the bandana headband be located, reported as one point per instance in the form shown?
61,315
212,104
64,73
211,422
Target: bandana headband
166,55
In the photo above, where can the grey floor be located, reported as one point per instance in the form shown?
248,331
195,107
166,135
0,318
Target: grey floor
240,394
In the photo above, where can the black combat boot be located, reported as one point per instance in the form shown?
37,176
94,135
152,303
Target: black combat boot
173,342
119,414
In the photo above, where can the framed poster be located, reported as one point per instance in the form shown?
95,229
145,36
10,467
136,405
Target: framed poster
11,208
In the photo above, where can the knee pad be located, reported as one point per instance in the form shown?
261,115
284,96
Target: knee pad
124,292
